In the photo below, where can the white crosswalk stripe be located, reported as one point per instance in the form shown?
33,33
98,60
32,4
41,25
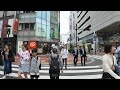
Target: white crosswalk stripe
72,72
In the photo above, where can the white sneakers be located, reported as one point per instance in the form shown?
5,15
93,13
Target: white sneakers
4,77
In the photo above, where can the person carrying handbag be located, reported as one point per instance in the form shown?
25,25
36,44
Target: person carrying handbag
109,63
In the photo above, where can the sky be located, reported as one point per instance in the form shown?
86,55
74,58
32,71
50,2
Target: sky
64,22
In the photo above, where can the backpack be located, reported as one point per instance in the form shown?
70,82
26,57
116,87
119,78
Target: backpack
54,62
36,62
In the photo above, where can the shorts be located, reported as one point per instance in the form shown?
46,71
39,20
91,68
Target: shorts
24,68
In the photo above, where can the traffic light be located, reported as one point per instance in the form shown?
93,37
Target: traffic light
8,31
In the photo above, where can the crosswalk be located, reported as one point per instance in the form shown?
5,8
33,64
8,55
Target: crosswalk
72,72
95,57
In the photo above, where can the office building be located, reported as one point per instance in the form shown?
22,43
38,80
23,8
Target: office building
96,28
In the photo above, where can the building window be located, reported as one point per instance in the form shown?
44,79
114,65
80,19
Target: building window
44,15
39,14
83,16
38,20
48,15
32,26
44,22
84,22
20,26
79,14
48,32
43,31
48,23
26,26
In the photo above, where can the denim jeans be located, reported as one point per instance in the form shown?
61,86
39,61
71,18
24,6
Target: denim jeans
7,67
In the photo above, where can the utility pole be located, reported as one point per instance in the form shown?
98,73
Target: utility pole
8,32
94,40
2,36
70,41
76,35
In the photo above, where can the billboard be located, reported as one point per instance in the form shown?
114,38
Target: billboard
1,23
20,43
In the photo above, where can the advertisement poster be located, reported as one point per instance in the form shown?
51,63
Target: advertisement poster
56,32
20,43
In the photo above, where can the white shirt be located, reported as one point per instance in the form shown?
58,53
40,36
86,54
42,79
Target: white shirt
25,57
108,63
64,53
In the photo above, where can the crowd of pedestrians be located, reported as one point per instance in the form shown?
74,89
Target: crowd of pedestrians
30,63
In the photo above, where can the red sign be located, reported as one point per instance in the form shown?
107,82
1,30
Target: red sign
16,25
5,28
32,44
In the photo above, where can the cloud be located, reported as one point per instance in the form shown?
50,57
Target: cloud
64,22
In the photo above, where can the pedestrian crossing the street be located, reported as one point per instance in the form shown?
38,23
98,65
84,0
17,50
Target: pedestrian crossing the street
72,72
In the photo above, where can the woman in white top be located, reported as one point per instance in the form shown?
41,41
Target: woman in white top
24,56
64,54
109,62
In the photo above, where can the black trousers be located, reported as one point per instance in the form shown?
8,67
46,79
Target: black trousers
75,60
54,77
65,60
54,74
83,60
107,76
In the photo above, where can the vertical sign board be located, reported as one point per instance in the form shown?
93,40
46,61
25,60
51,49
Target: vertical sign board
16,25
5,29
20,43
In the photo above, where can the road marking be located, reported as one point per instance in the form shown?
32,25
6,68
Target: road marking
69,71
98,76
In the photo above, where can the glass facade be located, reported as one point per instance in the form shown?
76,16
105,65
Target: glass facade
47,24
41,23
54,24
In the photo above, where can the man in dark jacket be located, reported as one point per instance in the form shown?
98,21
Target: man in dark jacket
75,54
83,55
